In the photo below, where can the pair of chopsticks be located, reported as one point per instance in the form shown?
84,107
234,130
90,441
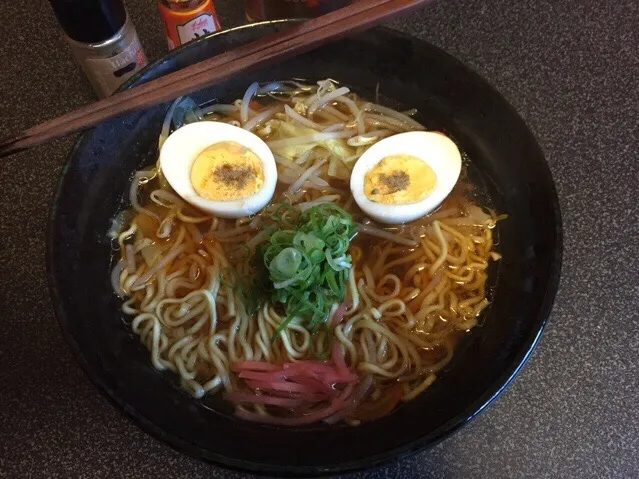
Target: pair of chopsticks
301,38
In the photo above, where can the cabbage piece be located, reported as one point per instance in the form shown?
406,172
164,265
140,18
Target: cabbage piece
151,252
186,111
338,169
337,147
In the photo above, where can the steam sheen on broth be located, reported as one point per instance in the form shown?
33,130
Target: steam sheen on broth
393,303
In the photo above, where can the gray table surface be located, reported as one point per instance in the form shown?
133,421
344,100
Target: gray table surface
569,67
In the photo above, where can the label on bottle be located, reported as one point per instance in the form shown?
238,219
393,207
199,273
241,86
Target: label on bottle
199,26
107,74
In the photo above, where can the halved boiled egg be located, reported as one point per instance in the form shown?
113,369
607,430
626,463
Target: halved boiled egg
406,176
219,168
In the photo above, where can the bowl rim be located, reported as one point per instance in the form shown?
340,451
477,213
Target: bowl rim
400,452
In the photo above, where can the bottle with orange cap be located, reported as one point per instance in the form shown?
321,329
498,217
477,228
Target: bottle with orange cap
186,20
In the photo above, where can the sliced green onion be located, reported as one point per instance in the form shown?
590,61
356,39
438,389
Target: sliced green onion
306,261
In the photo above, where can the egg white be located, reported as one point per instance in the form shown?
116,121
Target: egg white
183,146
436,150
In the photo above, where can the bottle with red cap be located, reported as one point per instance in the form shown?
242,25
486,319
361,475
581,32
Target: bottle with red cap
186,20
102,39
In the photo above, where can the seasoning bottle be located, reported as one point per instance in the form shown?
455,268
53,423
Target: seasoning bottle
258,10
186,20
102,39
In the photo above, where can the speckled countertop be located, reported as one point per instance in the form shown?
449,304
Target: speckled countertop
569,67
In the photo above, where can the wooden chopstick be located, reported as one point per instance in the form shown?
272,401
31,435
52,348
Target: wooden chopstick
301,38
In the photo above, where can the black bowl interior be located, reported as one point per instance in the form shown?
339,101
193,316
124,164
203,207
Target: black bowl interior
413,74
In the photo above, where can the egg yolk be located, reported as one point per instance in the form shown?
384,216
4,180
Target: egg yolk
398,180
227,171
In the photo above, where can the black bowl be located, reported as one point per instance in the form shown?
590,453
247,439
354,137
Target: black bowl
504,156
